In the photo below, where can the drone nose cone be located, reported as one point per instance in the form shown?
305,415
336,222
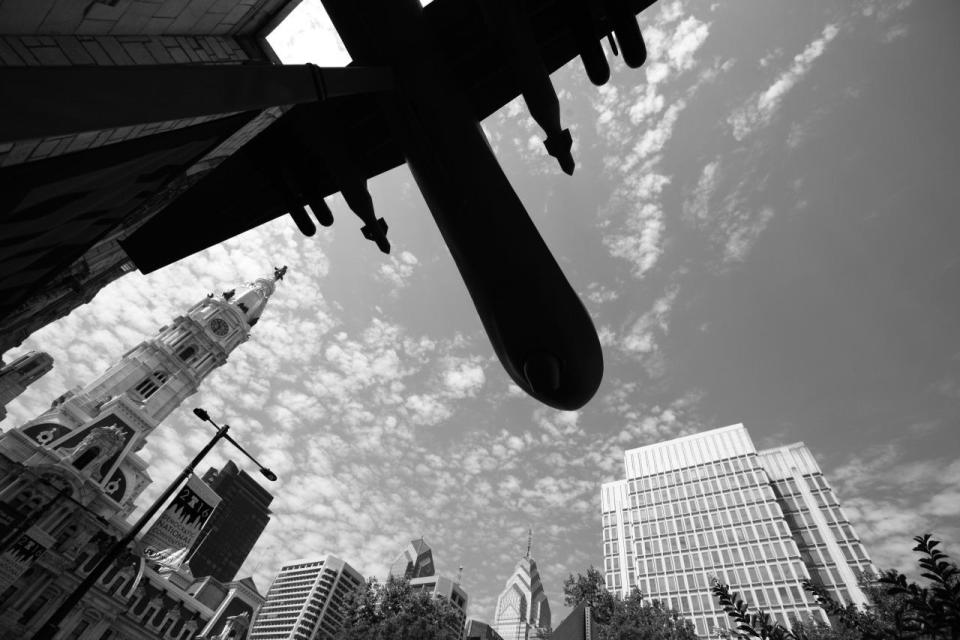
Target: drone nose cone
542,371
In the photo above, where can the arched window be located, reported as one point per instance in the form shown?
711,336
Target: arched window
65,536
149,385
188,354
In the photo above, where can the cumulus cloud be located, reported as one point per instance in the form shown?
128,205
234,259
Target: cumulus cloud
641,338
398,269
889,498
642,118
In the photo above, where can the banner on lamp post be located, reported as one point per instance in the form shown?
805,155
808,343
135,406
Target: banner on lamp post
23,552
177,528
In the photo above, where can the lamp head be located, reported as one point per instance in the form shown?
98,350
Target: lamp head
269,475
200,413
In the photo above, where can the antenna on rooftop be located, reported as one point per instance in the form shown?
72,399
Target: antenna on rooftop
529,542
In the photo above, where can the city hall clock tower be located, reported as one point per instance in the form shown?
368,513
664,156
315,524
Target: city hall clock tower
86,444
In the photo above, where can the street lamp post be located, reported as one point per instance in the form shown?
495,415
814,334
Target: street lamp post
52,625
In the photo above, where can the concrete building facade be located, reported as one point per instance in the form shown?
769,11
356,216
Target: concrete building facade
710,506
70,477
304,601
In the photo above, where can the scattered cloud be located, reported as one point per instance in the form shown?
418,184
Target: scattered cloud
759,110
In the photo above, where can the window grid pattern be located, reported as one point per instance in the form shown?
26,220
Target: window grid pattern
720,520
814,550
304,601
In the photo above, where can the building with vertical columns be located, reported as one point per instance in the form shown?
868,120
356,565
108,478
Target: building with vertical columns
710,506
20,374
303,602
235,526
523,612
70,477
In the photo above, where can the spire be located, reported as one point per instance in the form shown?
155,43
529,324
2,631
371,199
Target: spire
529,542
252,298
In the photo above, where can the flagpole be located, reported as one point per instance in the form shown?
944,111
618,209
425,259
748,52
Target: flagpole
52,625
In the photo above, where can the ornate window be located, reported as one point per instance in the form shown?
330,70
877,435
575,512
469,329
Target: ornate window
189,354
149,385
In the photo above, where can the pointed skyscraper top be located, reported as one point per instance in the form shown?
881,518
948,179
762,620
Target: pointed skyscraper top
252,298
529,542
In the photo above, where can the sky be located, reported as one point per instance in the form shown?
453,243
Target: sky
762,225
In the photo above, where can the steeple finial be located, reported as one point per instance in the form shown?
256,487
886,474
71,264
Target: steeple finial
529,542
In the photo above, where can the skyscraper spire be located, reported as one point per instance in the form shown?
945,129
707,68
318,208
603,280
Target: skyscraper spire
529,542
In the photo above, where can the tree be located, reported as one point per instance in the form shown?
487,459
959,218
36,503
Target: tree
392,610
900,609
630,618
589,588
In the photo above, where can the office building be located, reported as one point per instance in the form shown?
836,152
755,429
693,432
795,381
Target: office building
415,561
523,612
71,476
710,506
304,602
235,525
441,587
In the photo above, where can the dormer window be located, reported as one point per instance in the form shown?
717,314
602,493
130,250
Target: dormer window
149,385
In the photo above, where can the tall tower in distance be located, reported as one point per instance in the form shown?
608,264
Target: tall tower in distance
523,612
416,561
20,374
710,506
234,527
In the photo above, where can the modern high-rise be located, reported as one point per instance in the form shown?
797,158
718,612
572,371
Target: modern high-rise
235,526
523,612
710,506
416,561
304,602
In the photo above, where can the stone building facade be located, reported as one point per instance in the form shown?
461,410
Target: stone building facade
70,477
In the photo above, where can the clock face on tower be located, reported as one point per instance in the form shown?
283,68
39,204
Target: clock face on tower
219,327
